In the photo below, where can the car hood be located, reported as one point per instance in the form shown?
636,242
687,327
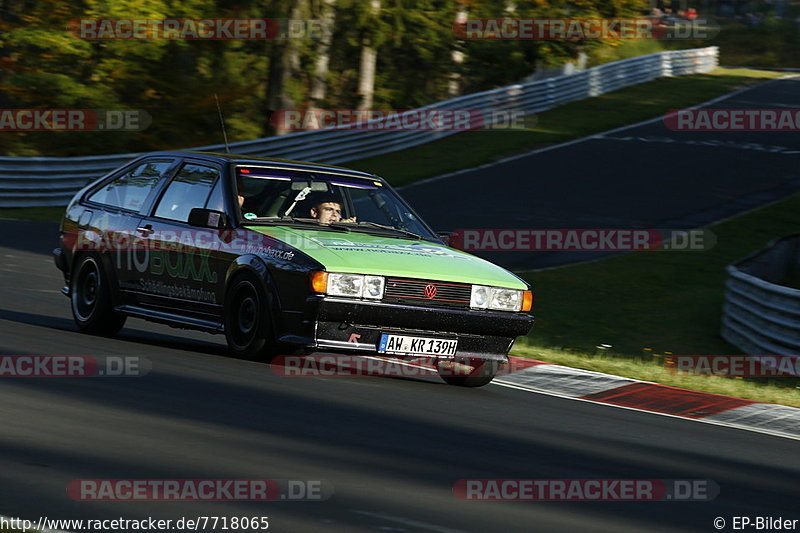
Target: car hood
362,253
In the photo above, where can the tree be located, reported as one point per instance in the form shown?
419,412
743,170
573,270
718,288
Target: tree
325,10
376,53
283,65
457,55
369,57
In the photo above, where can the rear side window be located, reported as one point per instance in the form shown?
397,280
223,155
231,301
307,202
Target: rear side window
130,190
190,188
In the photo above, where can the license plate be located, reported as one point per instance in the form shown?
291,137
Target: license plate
407,345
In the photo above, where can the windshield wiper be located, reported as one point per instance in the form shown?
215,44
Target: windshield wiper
296,220
380,226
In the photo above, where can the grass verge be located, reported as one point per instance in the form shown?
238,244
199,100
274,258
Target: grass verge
659,300
653,369
647,304
572,121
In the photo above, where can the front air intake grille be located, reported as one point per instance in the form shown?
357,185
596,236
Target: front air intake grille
425,293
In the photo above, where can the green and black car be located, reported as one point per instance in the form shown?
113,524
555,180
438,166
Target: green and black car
283,257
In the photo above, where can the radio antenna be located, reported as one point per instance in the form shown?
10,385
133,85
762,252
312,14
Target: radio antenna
222,123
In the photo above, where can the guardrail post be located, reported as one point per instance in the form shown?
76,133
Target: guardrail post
666,65
760,316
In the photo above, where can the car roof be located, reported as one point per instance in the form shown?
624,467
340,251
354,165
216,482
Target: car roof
241,158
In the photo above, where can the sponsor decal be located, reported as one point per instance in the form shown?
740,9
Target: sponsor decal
177,291
404,249
184,255
269,251
183,265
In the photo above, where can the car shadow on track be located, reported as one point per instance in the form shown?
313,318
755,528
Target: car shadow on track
148,339
127,334
34,319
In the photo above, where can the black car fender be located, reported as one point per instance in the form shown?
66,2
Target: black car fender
257,266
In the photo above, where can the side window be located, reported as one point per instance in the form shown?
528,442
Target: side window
217,199
190,188
130,190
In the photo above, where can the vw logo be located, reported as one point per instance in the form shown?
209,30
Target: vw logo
430,291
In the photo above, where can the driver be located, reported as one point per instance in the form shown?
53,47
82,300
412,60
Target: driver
327,211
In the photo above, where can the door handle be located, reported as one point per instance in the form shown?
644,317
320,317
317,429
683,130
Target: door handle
145,230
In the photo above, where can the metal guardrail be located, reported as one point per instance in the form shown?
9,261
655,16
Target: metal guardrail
40,181
760,316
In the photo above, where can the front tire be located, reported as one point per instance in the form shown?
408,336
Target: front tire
247,320
90,299
458,372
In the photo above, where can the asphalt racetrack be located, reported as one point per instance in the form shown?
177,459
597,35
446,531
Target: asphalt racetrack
392,449
644,176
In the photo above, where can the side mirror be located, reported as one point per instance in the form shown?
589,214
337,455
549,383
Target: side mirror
207,218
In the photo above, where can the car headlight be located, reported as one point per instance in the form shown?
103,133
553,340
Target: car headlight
506,300
479,299
373,287
496,298
350,285
345,285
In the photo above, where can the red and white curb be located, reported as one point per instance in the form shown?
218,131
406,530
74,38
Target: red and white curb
540,377
585,385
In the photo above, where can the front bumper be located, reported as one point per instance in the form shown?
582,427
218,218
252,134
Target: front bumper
344,324
60,260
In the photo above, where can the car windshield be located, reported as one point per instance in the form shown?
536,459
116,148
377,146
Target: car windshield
318,199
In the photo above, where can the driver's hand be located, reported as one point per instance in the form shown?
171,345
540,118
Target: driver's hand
351,219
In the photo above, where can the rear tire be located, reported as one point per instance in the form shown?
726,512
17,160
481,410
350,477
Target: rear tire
248,320
90,299
482,373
